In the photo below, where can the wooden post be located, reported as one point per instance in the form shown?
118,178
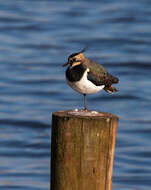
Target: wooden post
82,150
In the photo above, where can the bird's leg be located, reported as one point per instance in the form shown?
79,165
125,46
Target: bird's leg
85,103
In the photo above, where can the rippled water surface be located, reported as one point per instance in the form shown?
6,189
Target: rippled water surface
36,38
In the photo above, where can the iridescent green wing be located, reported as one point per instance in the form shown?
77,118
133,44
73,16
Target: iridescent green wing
97,73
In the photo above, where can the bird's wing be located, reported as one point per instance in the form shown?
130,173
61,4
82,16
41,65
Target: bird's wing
98,75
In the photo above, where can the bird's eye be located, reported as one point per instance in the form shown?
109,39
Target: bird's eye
71,61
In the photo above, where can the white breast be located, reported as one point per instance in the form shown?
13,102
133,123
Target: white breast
84,86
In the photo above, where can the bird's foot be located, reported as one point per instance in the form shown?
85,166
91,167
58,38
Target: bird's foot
85,109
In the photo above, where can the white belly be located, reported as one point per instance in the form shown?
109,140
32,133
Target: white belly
84,86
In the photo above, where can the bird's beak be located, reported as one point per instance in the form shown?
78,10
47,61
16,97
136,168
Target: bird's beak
65,64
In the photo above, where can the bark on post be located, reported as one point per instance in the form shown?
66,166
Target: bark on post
82,150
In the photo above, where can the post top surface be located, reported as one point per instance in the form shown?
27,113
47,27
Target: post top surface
84,114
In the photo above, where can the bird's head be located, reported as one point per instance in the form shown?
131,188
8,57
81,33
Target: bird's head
76,59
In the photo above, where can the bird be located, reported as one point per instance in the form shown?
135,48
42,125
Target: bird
88,77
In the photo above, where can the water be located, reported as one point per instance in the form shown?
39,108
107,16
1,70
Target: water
36,38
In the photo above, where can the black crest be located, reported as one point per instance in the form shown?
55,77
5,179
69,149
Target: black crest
74,54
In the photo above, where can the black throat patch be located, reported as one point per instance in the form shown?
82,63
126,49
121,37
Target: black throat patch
75,73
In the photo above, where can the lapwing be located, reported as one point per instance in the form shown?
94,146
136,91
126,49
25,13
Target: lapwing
88,77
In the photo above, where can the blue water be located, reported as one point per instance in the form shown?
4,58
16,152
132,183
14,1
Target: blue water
36,38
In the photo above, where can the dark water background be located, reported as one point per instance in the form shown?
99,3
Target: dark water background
36,36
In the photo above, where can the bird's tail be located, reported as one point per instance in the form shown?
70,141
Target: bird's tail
114,79
110,89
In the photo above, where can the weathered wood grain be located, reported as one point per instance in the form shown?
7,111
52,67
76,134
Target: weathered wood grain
82,151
